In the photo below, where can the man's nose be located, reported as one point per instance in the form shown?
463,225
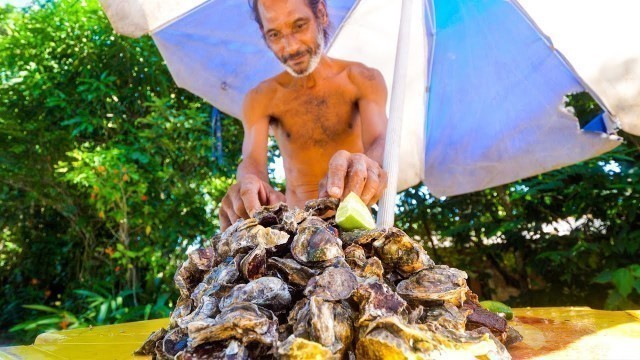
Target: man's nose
290,42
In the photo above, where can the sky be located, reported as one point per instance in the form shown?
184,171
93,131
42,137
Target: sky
18,3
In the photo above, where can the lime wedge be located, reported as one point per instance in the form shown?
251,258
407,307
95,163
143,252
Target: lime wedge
498,308
354,214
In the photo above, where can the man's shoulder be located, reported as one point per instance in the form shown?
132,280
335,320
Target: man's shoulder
359,73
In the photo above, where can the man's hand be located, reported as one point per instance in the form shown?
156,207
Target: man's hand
245,197
353,172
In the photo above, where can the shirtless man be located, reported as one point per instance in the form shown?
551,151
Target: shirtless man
327,115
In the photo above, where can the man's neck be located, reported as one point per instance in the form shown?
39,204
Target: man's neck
322,71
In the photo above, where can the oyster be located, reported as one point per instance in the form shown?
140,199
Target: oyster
440,283
271,215
447,316
333,284
218,282
149,345
328,323
207,308
245,322
294,272
320,207
295,348
398,251
390,337
245,236
362,237
315,244
254,265
355,256
183,308
269,292
376,299
192,271
174,342
234,350
292,218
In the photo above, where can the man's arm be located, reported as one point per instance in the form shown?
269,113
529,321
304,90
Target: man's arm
252,188
362,173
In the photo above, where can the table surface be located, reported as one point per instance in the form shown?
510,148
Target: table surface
549,333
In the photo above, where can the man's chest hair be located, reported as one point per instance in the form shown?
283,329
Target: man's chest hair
316,118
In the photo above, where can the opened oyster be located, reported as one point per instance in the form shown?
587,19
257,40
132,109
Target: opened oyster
286,284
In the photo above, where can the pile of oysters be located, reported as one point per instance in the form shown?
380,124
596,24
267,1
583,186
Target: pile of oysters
288,284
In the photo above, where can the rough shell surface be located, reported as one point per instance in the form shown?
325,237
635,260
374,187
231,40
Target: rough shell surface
440,283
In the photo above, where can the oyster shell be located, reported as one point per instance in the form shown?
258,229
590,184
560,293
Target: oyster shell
320,207
315,244
269,292
208,307
390,337
174,342
361,237
271,215
192,271
245,322
244,236
355,256
292,270
328,323
291,219
149,345
440,283
333,284
183,308
295,348
447,316
399,252
376,299
254,264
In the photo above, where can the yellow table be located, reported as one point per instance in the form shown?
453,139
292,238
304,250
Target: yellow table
549,333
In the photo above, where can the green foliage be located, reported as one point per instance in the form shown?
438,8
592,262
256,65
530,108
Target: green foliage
548,240
106,166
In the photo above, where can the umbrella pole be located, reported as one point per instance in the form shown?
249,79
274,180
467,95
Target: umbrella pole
394,127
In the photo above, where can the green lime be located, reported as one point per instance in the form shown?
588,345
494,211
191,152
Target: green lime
498,308
354,214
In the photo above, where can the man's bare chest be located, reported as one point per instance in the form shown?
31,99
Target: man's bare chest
315,116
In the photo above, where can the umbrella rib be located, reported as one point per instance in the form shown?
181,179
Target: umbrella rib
346,18
562,58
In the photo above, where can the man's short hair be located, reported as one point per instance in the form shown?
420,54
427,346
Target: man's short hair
313,4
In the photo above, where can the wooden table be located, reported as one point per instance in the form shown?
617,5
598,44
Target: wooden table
549,333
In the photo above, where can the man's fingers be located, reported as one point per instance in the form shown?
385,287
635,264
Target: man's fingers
337,171
276,197
381,187
322,188
356,176
250,198
225,222
226,207
371,186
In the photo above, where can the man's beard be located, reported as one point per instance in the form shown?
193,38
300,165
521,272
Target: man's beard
313,62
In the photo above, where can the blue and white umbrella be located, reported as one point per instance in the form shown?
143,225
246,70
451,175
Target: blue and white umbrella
478,89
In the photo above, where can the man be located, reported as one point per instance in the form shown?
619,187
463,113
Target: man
327,115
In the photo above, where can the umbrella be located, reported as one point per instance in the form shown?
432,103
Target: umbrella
480,86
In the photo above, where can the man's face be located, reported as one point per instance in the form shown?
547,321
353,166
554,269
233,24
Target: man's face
293,34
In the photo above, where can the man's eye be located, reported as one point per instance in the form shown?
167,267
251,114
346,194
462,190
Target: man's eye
300,26
274,35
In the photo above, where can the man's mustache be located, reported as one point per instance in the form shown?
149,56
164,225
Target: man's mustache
296,55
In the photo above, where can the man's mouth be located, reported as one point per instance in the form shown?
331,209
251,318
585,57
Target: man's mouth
295,58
